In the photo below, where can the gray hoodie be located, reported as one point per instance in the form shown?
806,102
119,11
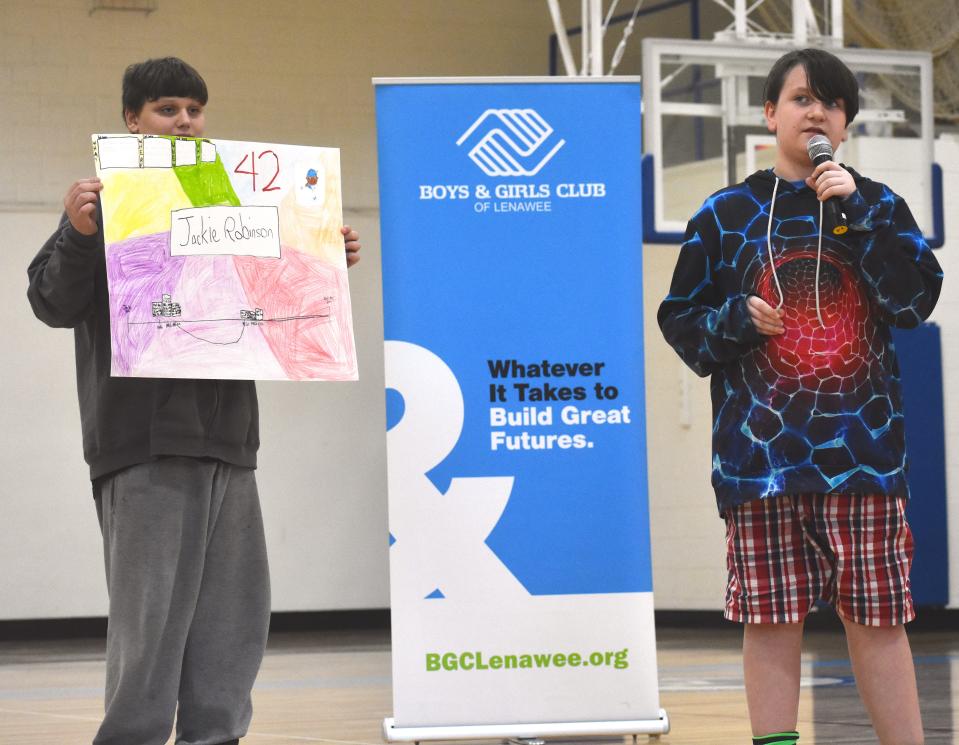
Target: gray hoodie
127,421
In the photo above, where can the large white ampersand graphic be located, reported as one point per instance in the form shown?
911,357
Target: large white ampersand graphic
439,537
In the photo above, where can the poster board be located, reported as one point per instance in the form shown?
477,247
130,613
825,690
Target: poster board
224,259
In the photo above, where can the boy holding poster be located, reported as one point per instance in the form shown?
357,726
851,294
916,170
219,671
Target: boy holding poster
792,323
172,464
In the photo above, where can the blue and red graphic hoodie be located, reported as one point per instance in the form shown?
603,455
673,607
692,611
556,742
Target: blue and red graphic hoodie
818,408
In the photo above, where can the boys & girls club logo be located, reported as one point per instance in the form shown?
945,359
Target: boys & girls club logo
515,143
510,142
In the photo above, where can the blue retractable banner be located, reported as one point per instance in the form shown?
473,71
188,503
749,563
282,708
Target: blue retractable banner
521,585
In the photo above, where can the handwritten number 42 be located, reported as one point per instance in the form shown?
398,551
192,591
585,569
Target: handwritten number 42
253,172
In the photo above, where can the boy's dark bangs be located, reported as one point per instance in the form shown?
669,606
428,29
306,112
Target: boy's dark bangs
159,78
829,79
824,81
181,81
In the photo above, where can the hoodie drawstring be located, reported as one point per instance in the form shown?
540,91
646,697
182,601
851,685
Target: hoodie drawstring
818,261
769,244
772,263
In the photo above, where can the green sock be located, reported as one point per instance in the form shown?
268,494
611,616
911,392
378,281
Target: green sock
778,738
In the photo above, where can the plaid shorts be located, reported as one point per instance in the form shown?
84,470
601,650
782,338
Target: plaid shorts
787,552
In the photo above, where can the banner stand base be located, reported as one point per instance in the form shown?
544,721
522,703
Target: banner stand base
538,731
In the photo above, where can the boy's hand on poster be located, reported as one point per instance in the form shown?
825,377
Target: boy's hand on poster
767,319
831,180
81,205
351,239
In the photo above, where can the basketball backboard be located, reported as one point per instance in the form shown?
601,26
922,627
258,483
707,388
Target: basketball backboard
704,126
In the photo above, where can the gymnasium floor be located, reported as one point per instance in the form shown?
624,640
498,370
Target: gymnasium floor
334,687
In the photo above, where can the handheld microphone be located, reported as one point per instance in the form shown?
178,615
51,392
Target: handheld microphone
820,150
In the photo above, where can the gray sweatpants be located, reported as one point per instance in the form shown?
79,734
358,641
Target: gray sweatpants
189,594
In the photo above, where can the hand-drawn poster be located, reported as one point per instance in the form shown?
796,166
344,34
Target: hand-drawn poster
224,259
